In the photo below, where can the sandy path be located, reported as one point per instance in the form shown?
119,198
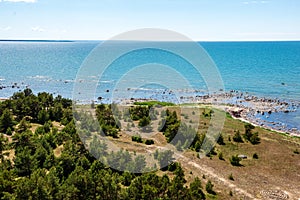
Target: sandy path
208,172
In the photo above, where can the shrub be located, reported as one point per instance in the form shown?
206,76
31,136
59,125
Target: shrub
144,124
40,130
209,187
221,156
237,137
144,121
137,139
8,131
220,140
138,112
230,177
149,142
255,156
173,166
235,160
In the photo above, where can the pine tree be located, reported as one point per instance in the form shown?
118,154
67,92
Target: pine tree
6,121
177,189
43,116
248,131
254,139
23,162
196,192
237,137
23,126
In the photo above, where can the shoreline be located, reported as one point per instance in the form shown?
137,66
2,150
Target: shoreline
240,105
243,107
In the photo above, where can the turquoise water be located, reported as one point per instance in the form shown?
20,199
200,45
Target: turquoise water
266,69
270,69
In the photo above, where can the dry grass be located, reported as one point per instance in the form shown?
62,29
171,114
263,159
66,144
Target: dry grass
34,127
276,169
58,150
9,154
58,125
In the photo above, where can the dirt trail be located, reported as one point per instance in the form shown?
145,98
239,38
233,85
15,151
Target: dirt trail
208,172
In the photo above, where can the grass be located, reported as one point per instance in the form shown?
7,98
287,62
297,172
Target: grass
154,103
277,165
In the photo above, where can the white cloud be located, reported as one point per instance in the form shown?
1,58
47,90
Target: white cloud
37,29
15,1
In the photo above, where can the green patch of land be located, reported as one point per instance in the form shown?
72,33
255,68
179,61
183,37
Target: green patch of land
153,103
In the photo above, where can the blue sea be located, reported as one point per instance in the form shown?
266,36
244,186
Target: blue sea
265,69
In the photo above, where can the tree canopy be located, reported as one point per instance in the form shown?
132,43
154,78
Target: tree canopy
52,163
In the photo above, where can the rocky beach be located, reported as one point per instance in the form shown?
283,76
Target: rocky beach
243,106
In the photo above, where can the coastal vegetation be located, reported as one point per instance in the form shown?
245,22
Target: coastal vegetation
42,157
152,103
44,154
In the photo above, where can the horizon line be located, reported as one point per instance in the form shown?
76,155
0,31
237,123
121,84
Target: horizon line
93,40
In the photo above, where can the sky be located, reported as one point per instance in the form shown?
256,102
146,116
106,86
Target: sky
200,20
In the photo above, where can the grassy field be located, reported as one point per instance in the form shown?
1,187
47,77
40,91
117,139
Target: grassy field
276,169
277,166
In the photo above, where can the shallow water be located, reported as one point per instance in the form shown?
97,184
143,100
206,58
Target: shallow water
284,121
